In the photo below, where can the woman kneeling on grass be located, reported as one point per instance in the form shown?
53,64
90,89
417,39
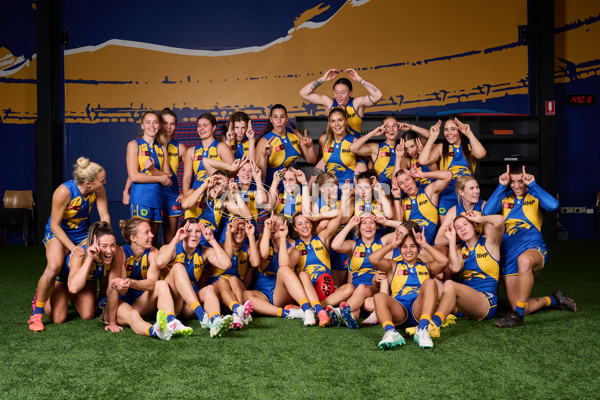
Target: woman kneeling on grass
276,284
99,259
139,289
413,292
184,263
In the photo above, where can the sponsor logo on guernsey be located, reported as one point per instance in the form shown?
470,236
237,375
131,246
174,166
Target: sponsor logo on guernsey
484,255
528,203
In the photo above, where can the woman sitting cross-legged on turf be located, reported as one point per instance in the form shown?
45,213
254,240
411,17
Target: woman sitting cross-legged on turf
467,192
421,203
523,251
140,291
476,260
413,292
310,255
362,272
100,259
184,263
240,246
67,227
276,284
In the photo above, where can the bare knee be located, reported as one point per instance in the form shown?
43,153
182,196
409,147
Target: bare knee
87,314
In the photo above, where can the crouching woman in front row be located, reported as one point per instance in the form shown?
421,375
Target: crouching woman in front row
414,293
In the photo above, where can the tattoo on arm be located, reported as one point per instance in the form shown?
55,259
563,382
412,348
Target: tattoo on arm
316,84
368,86
317,172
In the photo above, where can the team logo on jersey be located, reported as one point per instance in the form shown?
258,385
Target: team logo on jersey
451,154
280,147
198,157
328,149
176,207
508,205
359,254
402,272
407,207
129,268
385,154
144,212
304,252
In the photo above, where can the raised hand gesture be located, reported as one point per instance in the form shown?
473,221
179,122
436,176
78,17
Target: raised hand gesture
300,177
330,75
420,237
250,131
462,127
94,249
268,147
305,140
181,233
278,176
398,237
435,129
230,135
233,187
354,221
403,126
346,188
473,216
249,228
353,74
400,148
396,192
379,219
256,172
504,179
527,178
450,233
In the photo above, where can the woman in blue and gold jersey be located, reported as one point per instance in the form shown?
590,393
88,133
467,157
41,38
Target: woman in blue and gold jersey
230,283
295,195
467,192
458,154
523,251
240,136
354,108
171,195
194,172
335,144
281,146
421,204
68,226
414,293
83,268
476,260
213,201
184,264
408,151
383,154
148,171
275,283
362,272
310,255
140,291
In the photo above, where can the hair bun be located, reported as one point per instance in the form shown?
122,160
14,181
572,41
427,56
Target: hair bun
83,162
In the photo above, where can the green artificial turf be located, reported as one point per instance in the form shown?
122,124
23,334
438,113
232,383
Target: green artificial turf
554,355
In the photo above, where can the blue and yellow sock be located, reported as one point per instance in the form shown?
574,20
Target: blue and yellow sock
550,301
437,319
170,317
39,307
150,331
214,316
281,313
316,306
304,304
388,326
520,308
234,305
198,310
424,321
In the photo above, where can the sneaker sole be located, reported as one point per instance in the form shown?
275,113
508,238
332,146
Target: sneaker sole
162,320
184,332
226,323
332,316
348,318
390,345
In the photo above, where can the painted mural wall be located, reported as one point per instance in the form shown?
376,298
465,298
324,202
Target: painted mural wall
427,57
